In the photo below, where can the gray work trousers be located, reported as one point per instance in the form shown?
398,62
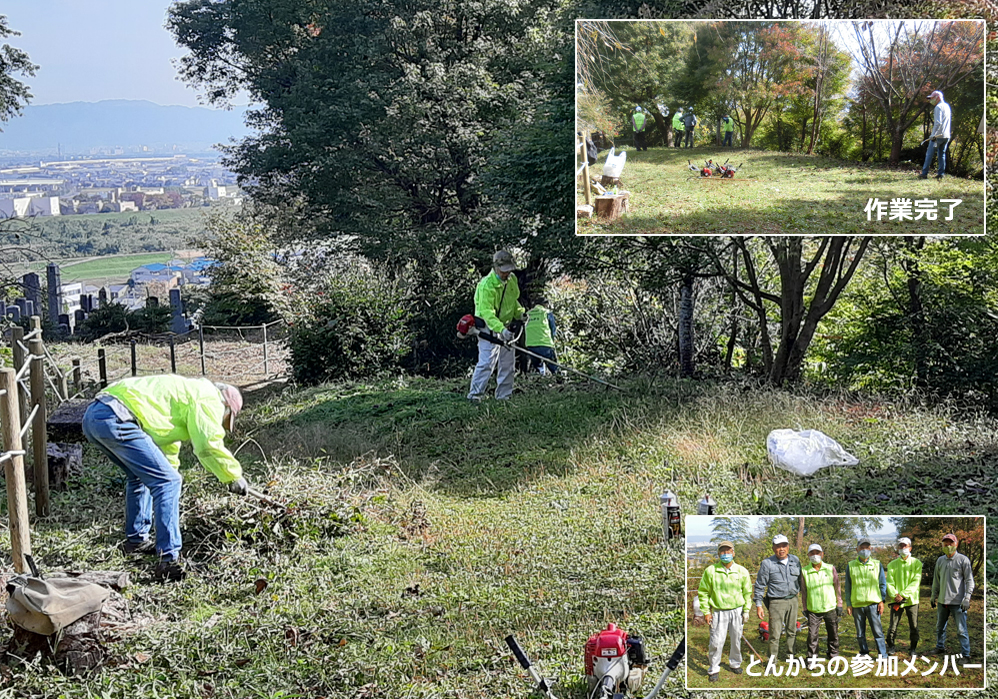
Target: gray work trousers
782,617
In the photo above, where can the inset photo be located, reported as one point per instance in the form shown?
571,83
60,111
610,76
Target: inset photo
835,602
833,127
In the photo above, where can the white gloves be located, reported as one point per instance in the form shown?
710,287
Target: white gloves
507,334
744,617
965,605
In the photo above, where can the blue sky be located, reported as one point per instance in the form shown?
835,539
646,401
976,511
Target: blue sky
700,526
97,50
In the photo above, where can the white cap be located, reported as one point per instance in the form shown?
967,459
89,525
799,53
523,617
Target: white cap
863,540
904,540
780,539
814,547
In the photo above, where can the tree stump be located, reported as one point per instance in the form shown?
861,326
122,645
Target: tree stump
65,462
79,648
610,181
611,206
65,423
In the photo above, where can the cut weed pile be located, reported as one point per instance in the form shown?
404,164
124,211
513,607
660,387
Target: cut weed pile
780,193
421,530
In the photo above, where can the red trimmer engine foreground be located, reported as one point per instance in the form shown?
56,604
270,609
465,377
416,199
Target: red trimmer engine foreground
615,663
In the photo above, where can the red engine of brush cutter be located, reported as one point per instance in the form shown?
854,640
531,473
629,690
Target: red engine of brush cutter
611,642
706,172
764,629
465,325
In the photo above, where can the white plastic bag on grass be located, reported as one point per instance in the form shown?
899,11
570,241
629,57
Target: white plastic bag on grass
614,164
806,451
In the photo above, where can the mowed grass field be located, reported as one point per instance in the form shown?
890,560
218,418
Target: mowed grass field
422,530
779,194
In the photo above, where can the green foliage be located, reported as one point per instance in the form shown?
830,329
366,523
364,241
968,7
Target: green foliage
115,318
354,324
14,94
245,277
933,315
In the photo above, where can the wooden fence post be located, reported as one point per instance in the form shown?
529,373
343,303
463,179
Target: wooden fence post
17,496
39,432
77,377
266,366
201,341
36,323
135,366
17,347
102,366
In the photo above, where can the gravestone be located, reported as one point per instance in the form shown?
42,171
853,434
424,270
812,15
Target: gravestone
14,313
78,317
177,323
152,302
22,305
33,291
54,289
102,296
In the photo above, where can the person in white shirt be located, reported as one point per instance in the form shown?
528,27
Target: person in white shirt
940,136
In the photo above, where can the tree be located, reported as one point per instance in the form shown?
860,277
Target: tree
902,62
641,68
733,529
802,301
14,94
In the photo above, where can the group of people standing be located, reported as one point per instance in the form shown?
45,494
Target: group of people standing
783,586
684,124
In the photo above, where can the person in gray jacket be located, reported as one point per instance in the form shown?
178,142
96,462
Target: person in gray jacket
952,586
690,122
777,585
940,136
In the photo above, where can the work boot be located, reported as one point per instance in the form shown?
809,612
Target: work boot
169,571
712,678
937,651
923,177
939,177
737,670
139,547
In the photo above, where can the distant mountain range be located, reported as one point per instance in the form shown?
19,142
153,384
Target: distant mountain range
80,127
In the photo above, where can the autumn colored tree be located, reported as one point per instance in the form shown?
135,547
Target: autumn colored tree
903,62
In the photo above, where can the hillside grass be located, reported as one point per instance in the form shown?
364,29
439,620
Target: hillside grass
777,194
423,529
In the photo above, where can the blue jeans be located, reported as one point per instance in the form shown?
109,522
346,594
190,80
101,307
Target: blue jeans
943,142
943,613
152,484
547,353
860,615
727,137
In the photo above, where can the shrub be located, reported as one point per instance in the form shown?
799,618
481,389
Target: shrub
354,324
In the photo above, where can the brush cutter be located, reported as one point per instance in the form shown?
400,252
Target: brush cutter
671,665
472,326
615,663
543,685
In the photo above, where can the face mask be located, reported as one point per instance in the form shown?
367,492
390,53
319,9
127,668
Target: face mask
865,553
815,559
727,557
904,553
949,549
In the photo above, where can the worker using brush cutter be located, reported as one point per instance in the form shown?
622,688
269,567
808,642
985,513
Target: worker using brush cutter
822,596
904,575
725,592
497,302
139,423
777,585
